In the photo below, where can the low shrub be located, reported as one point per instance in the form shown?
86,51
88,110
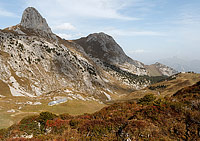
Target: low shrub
147,99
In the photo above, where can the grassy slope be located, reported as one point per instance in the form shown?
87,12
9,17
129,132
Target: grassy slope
182,80
4,89
73,107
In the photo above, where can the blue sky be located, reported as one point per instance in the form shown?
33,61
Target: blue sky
147,30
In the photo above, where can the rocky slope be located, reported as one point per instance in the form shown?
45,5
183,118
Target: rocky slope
103,47
182,65
158,69
35,62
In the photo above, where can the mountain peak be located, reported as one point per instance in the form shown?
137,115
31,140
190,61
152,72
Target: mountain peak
101,45
99,36
32,19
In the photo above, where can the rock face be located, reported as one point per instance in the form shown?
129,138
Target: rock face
104,48
165,70
36,62
31,19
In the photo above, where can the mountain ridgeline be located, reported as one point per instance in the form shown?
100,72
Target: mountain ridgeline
91,88
35,61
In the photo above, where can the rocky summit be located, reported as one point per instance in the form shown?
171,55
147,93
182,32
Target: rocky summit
36,62
31,19
103,47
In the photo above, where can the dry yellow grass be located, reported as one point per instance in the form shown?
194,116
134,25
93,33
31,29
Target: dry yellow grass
73,107
153,71
4,89
172,86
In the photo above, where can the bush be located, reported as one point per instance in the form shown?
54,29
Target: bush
65,116
3,133
43,117
96,128
177,106
29,125
57,125
147,99
74,123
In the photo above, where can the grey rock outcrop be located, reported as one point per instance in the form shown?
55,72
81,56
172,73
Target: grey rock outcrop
105,48
31,19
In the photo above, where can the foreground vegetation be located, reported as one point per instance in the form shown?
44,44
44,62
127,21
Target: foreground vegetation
172,118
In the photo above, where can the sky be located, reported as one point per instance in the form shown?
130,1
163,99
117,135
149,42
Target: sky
147,30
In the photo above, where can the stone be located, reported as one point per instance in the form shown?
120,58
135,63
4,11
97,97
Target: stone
31,19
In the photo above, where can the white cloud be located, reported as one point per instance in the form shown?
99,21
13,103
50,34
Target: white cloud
83,8
187,18
6,13
137,51
69,36
187,14
64,26
65,36
118,32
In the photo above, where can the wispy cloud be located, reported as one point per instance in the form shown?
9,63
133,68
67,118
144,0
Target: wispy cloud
64,26
188,14
69,36
5,13
83,8
138,51
187,18
118,32
65,36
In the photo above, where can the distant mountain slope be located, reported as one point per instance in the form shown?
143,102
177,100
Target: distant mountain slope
158,69
166,87
31,53
104,48
35,62
182,65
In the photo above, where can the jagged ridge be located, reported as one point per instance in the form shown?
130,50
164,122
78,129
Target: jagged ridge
48,63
